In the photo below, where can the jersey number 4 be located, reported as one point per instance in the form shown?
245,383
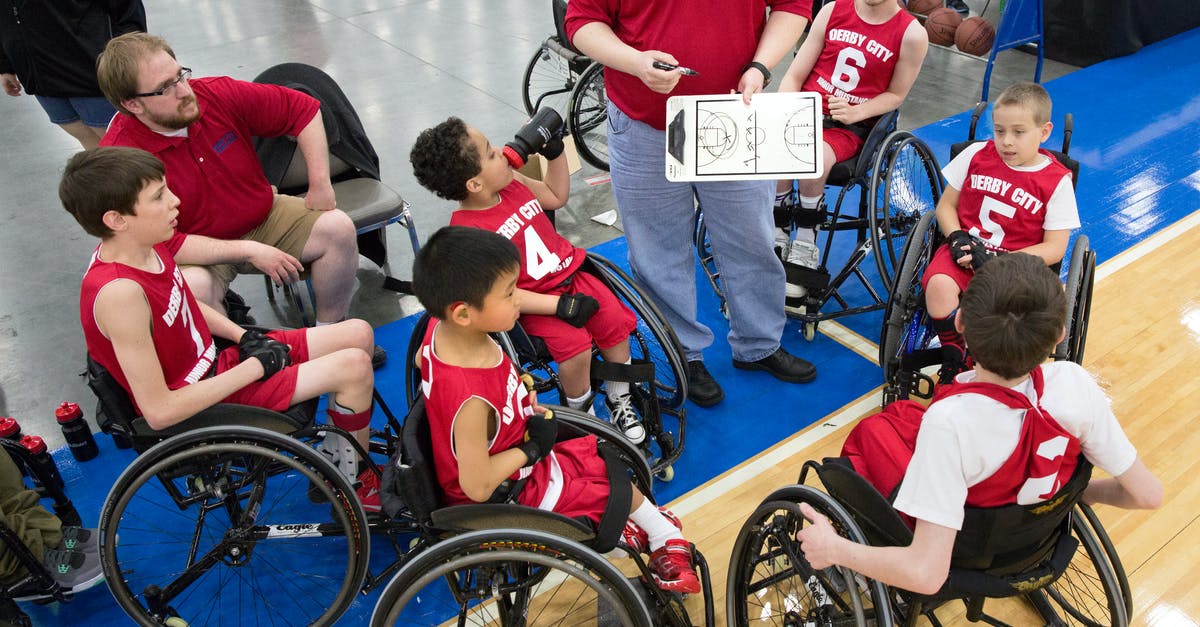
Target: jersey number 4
539,259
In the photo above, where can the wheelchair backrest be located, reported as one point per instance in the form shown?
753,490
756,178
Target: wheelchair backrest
1063,156
116,411
418,482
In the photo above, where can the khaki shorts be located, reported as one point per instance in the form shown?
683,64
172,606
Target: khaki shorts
287,227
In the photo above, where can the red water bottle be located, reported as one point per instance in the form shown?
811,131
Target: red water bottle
40,459
77,432
10,429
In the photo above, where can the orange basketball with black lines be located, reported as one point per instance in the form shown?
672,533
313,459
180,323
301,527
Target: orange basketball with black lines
941,25
975,36
923,7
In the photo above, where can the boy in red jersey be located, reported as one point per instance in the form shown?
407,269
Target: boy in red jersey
862,56
1010,431
142,323
1003,195
568,308
483,428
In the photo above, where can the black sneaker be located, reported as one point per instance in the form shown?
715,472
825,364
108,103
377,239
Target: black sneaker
236,309
378,357
624,417
782,365
703,389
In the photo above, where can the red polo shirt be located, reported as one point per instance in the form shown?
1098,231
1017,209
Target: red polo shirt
213,169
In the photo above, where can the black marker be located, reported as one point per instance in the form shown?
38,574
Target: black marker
686,71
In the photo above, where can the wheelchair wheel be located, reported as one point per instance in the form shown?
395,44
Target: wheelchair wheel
548,80
509,577
905,183
1081,275
653,340
412,376
905,325
705,255
218,525
771,583
588,117
1094,590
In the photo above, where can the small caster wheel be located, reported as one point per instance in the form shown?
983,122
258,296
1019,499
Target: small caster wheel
810,330
667,473
175,621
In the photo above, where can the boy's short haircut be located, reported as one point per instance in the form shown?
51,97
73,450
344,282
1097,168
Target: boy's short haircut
1013,314
1029,95
117,66
106,179
444,158
461,264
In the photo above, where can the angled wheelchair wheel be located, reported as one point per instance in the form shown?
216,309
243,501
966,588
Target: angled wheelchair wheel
905,184
588,117
509,577
704,255
219,526
906,331
412,376
549,78
1094,590
1081,275
771,583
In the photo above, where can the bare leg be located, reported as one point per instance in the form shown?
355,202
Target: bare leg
331,255
82,133
575,374
340,363
617,354
941,296
205,286
816,187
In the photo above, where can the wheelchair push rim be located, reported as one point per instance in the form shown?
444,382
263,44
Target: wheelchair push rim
905,184
588,117
220,524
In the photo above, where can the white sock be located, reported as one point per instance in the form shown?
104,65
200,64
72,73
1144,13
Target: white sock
810,202
658,529
580,401
781,196
617,388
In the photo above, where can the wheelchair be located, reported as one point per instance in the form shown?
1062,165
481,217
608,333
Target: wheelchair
561,77
908,344
1056,554
508,564
657,373
232,515
894,179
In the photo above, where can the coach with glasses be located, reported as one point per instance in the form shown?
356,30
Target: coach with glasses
201,129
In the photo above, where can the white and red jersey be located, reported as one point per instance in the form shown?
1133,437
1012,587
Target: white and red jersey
181,337
858,59
1011,208
547,258
447,388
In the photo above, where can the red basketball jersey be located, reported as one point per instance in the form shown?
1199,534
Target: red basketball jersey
547,258
858,59
447,387
1004,207
181,338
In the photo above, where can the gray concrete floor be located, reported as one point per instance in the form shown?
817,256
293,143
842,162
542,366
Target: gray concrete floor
406,65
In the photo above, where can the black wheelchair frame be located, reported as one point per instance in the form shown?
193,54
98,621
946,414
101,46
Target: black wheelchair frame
1055,554
897,179
557,68
907,342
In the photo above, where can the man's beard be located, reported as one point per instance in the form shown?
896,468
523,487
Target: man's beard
178,119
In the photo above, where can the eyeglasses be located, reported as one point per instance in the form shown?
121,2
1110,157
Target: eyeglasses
185,73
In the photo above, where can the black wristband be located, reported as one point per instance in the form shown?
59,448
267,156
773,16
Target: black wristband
761,68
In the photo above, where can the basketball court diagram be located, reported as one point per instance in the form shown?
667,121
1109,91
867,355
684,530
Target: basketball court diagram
719,137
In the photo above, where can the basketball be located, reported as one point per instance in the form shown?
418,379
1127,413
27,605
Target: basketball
975,36
923,7
941,25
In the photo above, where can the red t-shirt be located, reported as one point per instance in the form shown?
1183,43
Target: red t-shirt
858,59
547,258
181,337
714,37
213,169
1006,207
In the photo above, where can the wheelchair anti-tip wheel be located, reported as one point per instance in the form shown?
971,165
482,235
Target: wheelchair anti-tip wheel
588,117
215,526
509,577
1094,590
1081,276
905,184
771,583
905,333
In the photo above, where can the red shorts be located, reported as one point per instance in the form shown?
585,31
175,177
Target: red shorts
274,393
610,325
845,144
942,263
585,481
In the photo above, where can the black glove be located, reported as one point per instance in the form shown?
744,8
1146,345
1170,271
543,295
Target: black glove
541,432
552,149
272,355
576,309
957,240
980,254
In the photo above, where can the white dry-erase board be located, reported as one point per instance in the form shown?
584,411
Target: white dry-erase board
719,138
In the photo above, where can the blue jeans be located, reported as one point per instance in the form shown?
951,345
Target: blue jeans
657,216
94,111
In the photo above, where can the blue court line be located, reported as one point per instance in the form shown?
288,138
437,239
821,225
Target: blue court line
1140,173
